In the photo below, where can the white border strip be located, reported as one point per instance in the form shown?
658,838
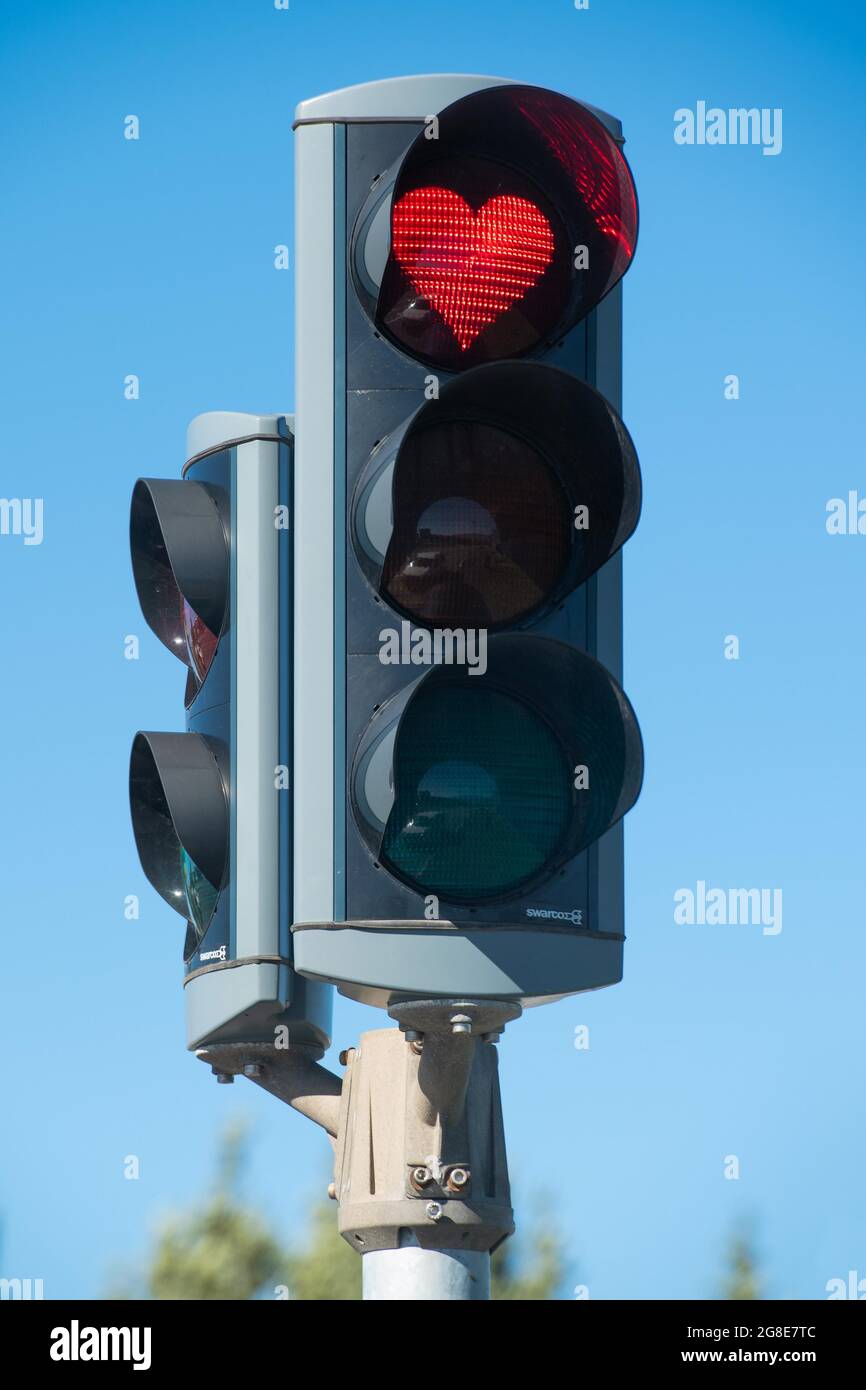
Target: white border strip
313,520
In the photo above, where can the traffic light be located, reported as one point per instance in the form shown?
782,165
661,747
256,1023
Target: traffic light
464,751
211,808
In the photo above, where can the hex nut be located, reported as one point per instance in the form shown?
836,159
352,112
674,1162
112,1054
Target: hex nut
457,1179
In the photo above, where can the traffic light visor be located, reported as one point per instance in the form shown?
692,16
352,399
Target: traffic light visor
180,822
507,492
474,785
180,566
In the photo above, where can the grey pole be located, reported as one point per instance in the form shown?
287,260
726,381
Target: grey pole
413,1274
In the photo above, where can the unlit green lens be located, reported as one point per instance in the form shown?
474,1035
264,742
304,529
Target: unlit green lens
482,794
201,896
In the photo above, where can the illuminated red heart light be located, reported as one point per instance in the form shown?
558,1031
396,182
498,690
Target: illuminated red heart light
470,266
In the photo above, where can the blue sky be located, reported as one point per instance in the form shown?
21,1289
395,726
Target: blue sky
156,258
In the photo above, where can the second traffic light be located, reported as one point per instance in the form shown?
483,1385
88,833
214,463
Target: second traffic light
211,807
464,751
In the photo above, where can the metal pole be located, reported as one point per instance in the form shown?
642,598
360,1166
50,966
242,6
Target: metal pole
412,1274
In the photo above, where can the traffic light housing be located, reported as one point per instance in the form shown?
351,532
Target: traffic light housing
211,807
464,750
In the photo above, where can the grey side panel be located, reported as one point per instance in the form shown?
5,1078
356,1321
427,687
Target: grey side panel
339,524
314,523
255,810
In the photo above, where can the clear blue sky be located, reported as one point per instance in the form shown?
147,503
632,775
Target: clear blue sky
155,258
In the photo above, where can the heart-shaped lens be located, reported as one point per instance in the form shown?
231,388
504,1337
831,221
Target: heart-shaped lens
470,266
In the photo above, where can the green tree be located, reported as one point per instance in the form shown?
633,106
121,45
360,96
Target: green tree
742,1278
220,1250
223,1249
538,1278
326,1267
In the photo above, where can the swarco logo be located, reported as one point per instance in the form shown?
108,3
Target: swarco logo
550,914
219,954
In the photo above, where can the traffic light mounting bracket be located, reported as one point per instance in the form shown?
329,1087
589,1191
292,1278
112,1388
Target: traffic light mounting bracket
420,1161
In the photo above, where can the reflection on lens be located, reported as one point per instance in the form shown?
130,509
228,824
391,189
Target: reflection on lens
201,896
482,528
201,643
483,794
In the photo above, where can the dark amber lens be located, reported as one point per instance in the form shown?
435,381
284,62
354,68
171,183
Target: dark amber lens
482,528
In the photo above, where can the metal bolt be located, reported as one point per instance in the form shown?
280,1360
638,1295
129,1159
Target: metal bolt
492,1037
458,1178
420,1177
461,1023
417,1045
224,1078
253,1069
411,1035
332,1191
434,1211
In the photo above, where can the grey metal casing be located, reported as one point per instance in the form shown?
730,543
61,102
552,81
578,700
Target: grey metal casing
353,388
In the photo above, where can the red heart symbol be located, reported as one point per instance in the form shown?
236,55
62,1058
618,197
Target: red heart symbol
470,266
